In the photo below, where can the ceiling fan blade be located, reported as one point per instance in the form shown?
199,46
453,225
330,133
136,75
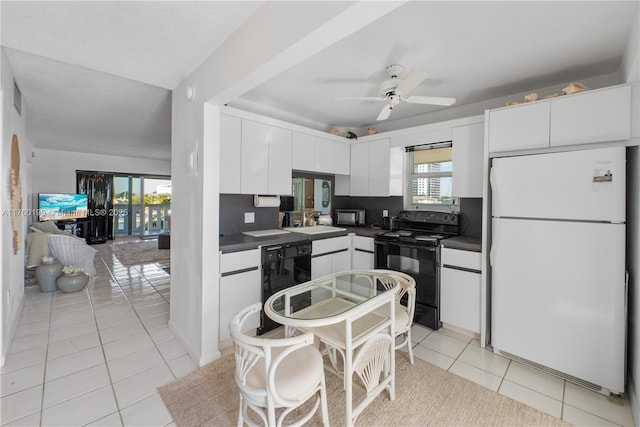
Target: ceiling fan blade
413,79
385,112
361,98
433,100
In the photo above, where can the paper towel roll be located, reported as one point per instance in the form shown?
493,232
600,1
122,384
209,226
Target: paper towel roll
266,201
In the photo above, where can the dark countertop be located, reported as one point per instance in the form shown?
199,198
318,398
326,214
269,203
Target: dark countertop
242,242
465,243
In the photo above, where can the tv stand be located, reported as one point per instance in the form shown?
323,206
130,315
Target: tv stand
78,227
95,240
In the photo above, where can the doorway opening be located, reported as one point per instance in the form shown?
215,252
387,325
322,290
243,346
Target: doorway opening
141,205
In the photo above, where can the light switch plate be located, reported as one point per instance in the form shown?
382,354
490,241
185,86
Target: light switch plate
385,212
249,217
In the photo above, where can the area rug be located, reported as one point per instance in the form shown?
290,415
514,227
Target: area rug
140,252
425,396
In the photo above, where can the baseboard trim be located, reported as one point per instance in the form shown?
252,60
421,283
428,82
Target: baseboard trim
196,356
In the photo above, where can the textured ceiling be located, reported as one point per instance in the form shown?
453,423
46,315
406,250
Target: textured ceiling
473,51
97,76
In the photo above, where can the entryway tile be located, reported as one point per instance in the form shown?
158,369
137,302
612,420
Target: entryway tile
610,408
484,359
22,379
24,359
531,398
75,362
150,411
141,385
435,358
171,349
20,404
133,363
127,345
182,366
72,345
111,420
82,410
477,375
579,417
74,385
536,380
444,344
418,333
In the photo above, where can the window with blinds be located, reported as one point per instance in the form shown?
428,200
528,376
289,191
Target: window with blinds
429,170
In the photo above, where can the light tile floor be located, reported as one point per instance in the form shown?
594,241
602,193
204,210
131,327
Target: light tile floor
97,357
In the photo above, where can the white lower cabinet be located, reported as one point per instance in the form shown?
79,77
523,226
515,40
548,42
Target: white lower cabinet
362,255
239,287
460,286
330,256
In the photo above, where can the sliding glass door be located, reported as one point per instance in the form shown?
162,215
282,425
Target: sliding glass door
142,205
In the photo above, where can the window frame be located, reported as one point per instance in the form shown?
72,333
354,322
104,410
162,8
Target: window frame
410,175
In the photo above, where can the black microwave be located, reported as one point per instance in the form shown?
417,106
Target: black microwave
350,217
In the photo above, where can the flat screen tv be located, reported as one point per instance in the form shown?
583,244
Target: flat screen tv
62,206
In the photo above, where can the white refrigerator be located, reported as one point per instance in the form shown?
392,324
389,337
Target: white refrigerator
558,288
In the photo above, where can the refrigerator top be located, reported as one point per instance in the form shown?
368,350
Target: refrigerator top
586,185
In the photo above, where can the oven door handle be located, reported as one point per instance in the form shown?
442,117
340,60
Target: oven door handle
403,245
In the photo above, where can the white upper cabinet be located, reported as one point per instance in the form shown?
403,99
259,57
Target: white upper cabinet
468,152
280,141
359,177
341,158
230,154
370,165
322,155
592,116
519,127
318,154
255,158
379,167
265,159
599,115
302,152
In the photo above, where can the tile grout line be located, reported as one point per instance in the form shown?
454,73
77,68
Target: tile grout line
143,326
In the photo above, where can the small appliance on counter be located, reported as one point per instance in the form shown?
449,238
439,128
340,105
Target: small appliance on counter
324,219
286,209
389,223
350,217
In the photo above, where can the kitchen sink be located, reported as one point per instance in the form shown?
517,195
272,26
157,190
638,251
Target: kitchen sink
316,229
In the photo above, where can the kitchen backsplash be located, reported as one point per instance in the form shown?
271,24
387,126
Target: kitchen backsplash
234,206
471,217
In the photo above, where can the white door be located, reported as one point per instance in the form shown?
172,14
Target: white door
558,296
580,185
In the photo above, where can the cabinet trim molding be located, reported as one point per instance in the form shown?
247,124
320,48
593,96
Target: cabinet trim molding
330,253
244,270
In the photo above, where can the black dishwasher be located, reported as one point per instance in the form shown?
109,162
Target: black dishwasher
283,266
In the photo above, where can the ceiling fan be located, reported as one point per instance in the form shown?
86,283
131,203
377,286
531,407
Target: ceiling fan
396,89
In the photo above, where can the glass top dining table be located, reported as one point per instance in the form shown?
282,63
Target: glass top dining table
344,310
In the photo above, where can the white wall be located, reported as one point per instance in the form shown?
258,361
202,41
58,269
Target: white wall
630,73
12,264
54,171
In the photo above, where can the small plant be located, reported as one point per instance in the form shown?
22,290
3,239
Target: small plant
71,269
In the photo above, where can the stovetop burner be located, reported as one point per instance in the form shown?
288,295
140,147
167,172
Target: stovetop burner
429,237
422,228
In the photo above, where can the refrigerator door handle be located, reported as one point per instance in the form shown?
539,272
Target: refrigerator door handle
494,244
494,188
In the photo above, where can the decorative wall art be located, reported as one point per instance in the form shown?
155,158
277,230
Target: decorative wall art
16,194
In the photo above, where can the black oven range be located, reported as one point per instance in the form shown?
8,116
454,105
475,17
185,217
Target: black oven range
414,248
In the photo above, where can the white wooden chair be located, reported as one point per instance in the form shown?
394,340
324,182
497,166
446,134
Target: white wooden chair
404,314
276,375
